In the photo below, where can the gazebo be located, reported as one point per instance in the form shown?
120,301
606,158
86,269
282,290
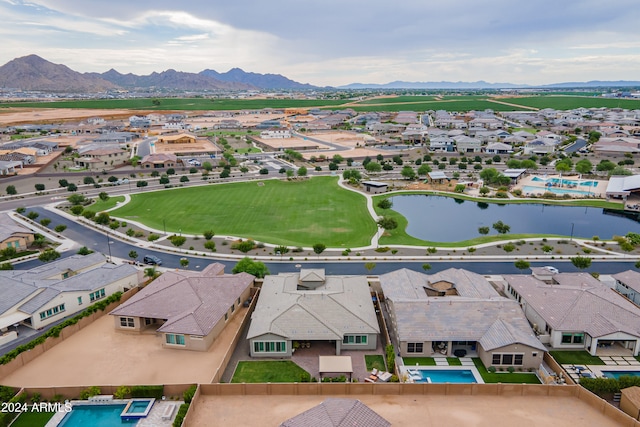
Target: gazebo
335,365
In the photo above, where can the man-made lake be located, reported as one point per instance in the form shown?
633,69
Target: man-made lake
445,219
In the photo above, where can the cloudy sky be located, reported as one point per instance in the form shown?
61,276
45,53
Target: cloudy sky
335,42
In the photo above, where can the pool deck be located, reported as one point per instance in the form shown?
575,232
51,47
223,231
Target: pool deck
408,410
598,191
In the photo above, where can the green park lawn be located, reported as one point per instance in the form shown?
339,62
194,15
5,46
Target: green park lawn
100,205
269,371
297,213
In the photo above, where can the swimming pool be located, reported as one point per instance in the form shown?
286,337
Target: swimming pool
460,376
96,416
137,408
556,181
618,374
556,190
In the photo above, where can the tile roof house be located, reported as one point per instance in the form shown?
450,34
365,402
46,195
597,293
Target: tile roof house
335,412
46,294
102,158
576,311
159,161
188,308
458,312
13,234
628,284
309,306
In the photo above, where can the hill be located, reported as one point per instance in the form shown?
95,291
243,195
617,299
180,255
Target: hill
261,81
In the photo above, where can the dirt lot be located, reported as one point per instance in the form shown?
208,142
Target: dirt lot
11,116
98,355
426,411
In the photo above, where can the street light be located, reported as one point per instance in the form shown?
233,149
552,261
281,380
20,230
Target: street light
109,244
164,225
571,239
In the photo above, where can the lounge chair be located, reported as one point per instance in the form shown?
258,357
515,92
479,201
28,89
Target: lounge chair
385,376
374,371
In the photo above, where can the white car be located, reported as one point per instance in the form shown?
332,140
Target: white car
194,162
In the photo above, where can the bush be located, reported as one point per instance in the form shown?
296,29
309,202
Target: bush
156,391
122,392
88,392
188,394
153,237
182,412
391,358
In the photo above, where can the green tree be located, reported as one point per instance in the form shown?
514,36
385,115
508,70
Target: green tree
408,172
184,178
39,187
63,183
581,262
88,180
45,222
225,173
84,251
318,248
76,210
483,230
72,187
385,204
141,184
11,190
529,164
211,245
60,228
281,250
6,266
247,265
103,218
370,266
484,190
133,255
207,166
208,234
184,262
459,188
620,171
564,165
373,167
244,246
76,199
426,266
352,175
387,223
521,264
48,255
33,215
103,196
424,169
112,179
177,241
584,166
155,102
164,179
302,171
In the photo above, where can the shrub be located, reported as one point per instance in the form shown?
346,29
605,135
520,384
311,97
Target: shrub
188,394
122,392
156,391
492,369
211,245
88,392
182,412
153,237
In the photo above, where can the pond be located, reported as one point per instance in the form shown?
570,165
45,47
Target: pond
445,219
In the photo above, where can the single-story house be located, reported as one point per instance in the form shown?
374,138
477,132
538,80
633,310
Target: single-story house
9,167
628,284
189,309
575,311
159,161
444,144
621,187
498,148
309,306
466,144
375,187
102,158
13,234
456,313
276,133
181,138
45,294
116,137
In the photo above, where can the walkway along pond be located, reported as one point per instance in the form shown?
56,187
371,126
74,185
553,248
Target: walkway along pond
446,219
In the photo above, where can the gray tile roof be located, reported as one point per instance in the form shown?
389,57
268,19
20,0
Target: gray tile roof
55,268
39,300
191,302
579,303
12,291
630,278
342,305
338,413
9,227
96,278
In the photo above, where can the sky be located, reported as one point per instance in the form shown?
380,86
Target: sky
335,42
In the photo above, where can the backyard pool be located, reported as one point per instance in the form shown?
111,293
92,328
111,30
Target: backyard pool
556,181
137,408
96,416
618,374
460,376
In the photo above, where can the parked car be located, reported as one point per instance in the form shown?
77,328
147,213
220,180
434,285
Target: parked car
194,162
152,260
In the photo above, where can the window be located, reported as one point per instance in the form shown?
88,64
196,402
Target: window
414,347
174,339
127,322
52,311
233,308
270,346
507,359
238,301
354,339
93,296
79,300
572,338
226,317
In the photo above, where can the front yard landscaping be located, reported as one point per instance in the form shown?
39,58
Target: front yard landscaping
269,371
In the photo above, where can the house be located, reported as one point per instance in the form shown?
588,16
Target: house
159,161
498,148
375,187
540,146
628,284
13,234
275,133
46,294
458,312
189,309
181,138
335,412
116,138
466,144
621,187
575,311
9,167
102,158
443,144
310,306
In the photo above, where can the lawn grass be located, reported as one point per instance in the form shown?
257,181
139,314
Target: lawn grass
454,361
579,357
375,361
297,213
422,361
505,377
269,371
101,205
32,419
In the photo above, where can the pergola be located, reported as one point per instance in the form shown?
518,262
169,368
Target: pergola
335,364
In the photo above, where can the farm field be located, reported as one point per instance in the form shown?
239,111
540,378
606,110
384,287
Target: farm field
298,213
448,105
397,99
571,102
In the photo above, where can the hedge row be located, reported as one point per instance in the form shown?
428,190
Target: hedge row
7,417
55,331
608,386
182,412
156,391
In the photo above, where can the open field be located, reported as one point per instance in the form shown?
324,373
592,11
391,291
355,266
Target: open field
282,212
571,102
180,104
452,105
397,99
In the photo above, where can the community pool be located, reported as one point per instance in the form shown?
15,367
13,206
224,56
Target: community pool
460,376
96,416
556,181
618,374
556,190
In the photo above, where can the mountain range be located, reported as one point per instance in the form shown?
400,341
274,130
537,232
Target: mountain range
35,73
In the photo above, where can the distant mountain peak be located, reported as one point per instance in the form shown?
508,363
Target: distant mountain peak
261,81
